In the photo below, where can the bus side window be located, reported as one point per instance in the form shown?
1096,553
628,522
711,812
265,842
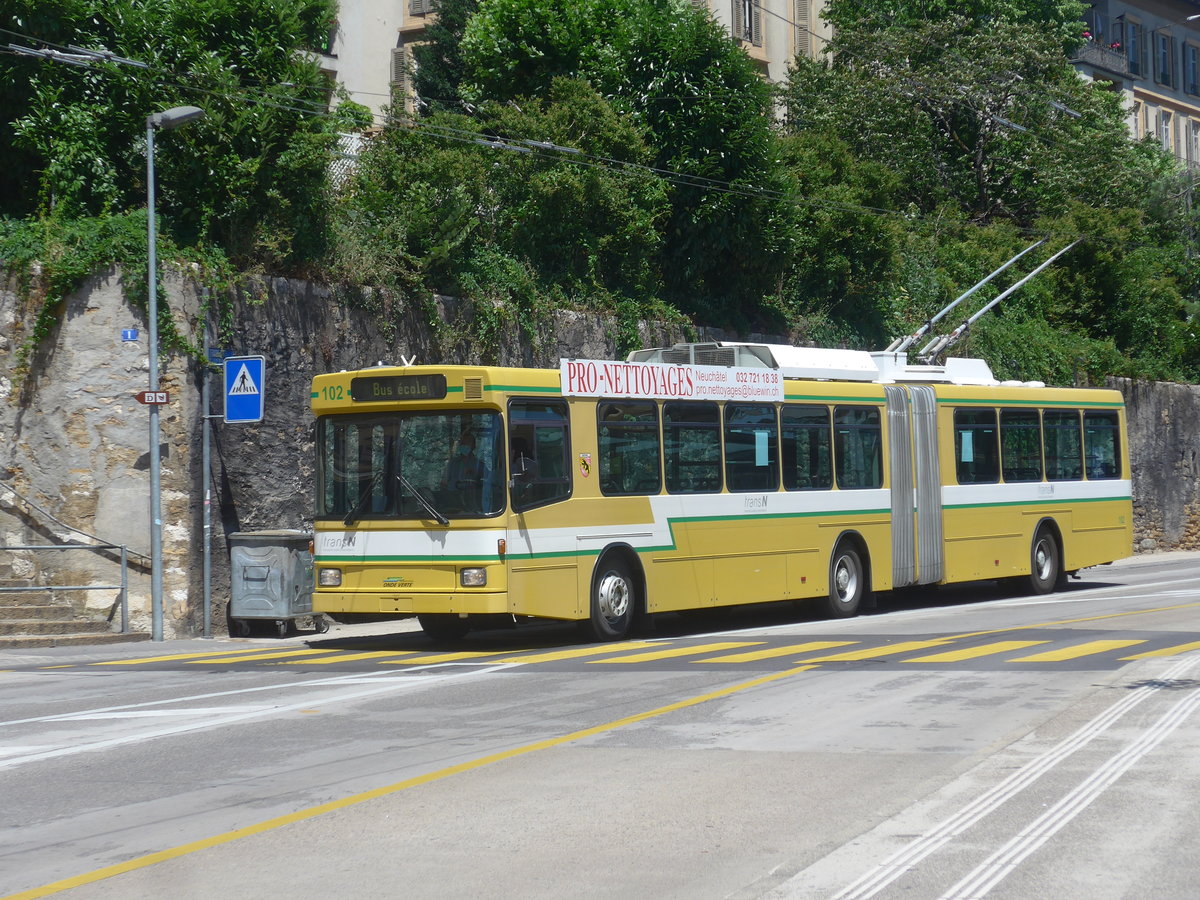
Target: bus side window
858,440
976,454
627,441
1021,445
541,427
692,447
751,447
807,448
1101,444
1064,448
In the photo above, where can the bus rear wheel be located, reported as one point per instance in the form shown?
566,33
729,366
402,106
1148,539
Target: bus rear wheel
847,582
613,601
444,626
1045,568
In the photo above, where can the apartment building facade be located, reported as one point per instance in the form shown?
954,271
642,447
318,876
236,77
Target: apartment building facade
1150,52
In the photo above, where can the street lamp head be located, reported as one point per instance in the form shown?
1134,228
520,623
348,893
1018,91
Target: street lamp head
174,117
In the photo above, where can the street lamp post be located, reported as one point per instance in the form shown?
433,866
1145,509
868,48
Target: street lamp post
167,121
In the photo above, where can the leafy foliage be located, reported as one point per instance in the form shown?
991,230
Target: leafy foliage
247,177
627,156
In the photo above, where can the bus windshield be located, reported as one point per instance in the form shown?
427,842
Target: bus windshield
424,466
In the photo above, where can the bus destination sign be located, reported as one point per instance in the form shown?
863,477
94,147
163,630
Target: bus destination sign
385,388
663,381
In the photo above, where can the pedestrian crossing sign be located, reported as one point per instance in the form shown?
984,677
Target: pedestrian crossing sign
245,389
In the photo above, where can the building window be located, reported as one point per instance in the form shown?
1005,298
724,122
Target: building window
1136,48
1191,68
747,21
1164,59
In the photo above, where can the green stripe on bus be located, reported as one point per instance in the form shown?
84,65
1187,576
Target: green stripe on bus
1049,502
1077,404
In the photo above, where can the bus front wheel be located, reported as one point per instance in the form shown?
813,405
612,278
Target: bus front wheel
613,601
847,582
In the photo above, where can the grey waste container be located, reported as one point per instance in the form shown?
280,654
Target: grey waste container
271,580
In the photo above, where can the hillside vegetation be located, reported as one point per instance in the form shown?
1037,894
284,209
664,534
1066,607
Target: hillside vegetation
625,157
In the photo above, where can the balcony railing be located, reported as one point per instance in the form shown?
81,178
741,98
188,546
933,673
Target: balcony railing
1103,58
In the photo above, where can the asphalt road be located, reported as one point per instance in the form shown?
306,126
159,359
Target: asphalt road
955,743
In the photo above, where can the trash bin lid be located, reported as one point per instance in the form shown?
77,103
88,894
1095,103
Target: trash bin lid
271,537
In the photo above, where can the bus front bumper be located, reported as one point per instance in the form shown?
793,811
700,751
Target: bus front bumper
470,603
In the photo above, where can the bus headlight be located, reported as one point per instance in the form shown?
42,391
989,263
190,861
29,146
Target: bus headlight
472,577
329,578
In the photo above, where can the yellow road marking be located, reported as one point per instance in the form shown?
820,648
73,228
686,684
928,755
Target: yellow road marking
348,657
312,812
751,655
672,653
282,654
207,653
1076,651
1099,618
1165,651
974,652
597,650
438,658
876,652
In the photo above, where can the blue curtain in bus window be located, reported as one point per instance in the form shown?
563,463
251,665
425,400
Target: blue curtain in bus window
692,447
1021,445
807,448
1064,448
627,441
751,447
976,449
857,447
1101,444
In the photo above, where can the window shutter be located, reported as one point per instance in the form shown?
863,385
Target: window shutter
400,71
420,7
756,35
803,35
739,19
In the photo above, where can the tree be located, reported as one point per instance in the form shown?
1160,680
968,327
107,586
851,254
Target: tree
248,176
439,64
431,208
994,140
1060,19
707,113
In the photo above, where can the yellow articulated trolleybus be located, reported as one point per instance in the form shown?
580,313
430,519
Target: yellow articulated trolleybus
698,476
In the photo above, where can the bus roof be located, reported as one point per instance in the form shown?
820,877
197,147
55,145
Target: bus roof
823,363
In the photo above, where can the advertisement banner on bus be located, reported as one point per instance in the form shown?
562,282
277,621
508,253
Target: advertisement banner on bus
663,381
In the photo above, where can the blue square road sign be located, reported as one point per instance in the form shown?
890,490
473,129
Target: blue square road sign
245,388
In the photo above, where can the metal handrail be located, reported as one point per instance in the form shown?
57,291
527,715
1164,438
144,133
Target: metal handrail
123,587
103,545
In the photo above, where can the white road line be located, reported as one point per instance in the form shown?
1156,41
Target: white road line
908,857
241,715
996,867
352,678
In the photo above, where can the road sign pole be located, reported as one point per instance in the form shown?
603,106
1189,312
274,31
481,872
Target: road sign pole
156,582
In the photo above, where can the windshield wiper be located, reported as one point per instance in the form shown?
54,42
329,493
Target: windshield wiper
362,501
423,500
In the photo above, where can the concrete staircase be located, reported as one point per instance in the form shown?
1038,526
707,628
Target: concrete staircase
37,619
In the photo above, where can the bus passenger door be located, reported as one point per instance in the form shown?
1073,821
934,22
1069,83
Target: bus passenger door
541,552
916,488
